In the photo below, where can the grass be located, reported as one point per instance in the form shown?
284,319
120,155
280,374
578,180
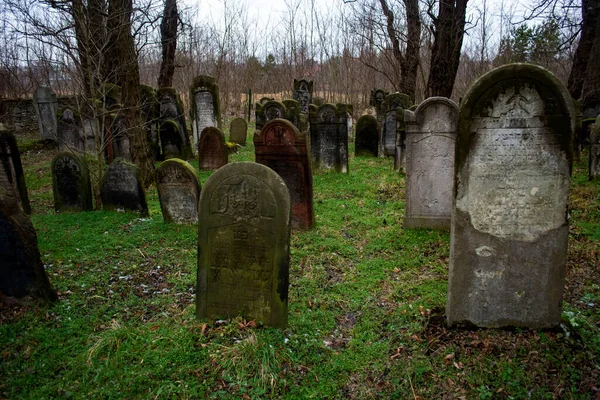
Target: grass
366,305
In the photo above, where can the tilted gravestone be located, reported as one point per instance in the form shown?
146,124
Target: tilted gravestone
238,131
303,94
329,138
430,141
205,107
212,150
243,245
46,106
11,169
173,142
509,224
68,133
178,191
281,147
21,270
122,188
171,109
594,160
71,183
367,136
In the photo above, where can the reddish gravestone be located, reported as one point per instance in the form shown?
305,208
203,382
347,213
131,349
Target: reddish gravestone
212,151
281,147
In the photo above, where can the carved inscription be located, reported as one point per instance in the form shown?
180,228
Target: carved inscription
68,181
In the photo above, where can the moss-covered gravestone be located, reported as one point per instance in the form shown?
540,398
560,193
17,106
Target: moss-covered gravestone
46,106
212,149
243,245
281,147
21,270
205,106
178,191
430,141
329,138
509,224
11,169
367,136
594,161
122,188
71,183
238,131
171,109
173,142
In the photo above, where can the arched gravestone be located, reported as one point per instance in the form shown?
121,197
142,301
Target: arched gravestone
509,224
122,188
281,147
238,131
329,138
205,107
303,93
11,169
171,109
71,183
594,160
430,142
173,144
46,106
178,191
393,122
243,245
367,136
21,270
212,150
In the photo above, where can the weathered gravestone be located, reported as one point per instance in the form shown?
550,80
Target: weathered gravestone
303,94
392,130
212,150
367,136
71,183
122,188
238,131
171,109
21,270
243,245
430,141
270,110
115,124
178,191
376,100
281,147
509,223
329,138
205,107
11,169
150,112
46,106
594,160
173,141
68,134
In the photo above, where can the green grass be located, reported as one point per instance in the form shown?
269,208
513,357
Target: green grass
366,305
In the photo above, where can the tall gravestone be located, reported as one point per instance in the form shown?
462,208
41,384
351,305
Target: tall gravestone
116,140
393,122
150,112
238,131
243,245
212,150
11,169
509,224
71,183
367,136
303,94
430,141
205,107
21,270
46,107
376,100
178,191
329,138
594,160
171,109
122,188
68,132
281,147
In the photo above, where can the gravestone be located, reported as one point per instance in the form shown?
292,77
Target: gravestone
46,107
205,107
238,131
150,112
303,94
172,141
243,245
329,138
281,147
430,141
71,183
376,100
21,270
509,223
68,136
212,150
171,109
117,135
367,136
11,169
122,188
594,160
392,130
178,191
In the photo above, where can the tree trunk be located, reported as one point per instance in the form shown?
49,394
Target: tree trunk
449,29
590,13
168,36
590,91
